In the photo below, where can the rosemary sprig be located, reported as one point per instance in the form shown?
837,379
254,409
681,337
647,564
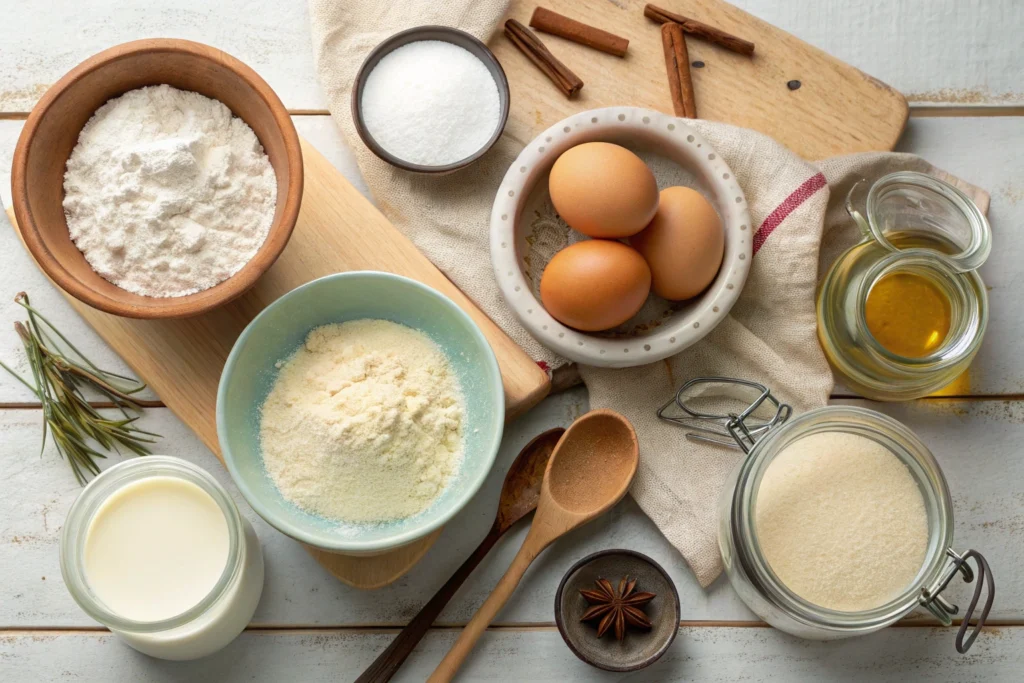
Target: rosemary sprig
59,374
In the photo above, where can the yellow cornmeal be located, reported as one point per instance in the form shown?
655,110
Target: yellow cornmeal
907,314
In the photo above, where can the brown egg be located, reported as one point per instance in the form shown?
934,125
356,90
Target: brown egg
683,245
603,190
595,284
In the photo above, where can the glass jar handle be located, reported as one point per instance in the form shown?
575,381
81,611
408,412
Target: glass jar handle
855,199
944,611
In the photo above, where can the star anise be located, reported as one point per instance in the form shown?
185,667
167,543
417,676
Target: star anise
617,608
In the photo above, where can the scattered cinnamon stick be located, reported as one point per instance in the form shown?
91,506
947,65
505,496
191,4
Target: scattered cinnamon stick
546,21
677,64
701,30
530,45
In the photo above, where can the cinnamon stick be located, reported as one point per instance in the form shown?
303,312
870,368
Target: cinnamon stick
530,45
677,64
701,30
546,21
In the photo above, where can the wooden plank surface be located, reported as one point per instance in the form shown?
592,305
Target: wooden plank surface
837,109
707,655
956,55
956,52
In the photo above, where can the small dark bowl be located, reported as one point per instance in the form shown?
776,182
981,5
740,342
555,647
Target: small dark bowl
448,35
640,648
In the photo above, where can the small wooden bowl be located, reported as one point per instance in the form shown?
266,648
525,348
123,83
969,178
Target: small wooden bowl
51,132
448,35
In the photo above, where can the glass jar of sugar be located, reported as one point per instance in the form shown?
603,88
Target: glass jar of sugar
838,523
902,314
155,549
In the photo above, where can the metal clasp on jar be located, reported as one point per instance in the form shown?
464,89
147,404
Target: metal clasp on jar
733,429
758,412
944,611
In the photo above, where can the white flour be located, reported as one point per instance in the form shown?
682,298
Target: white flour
841,521
364,423
167,193
431,103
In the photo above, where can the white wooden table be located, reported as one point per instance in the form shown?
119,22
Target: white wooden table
960,63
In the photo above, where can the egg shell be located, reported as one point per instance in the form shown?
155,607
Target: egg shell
683,245
603,190
595,285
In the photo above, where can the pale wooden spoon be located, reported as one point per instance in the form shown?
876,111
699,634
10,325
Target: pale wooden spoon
589,471
519,496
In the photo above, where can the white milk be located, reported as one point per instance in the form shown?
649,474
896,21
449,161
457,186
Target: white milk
155,561
156,548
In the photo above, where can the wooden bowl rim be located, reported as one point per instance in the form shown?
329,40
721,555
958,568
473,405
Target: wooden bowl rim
170,307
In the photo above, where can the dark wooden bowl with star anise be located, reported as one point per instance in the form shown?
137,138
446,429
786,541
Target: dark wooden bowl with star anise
617,610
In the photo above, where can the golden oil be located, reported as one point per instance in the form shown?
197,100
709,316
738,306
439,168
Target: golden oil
903,313
908,314
910,303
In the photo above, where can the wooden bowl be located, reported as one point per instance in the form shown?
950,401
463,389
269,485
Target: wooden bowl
51,132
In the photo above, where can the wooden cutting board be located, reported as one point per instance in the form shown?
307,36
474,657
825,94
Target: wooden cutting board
836,110
337,230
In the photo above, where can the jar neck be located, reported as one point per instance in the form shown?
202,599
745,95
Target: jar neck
905,446
968,310
84,509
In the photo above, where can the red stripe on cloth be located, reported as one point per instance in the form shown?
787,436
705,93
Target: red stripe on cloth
799,196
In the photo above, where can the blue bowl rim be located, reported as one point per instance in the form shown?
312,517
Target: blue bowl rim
337,543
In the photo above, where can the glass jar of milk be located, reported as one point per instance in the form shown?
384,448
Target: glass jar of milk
155,549
827,546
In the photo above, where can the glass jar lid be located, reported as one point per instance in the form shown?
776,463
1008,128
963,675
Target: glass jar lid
908,203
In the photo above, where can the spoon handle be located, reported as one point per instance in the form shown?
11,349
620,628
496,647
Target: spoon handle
449,666
391,659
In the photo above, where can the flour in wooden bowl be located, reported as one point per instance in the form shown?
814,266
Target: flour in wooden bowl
167,193
364,423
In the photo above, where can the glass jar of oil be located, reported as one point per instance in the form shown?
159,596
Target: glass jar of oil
902,314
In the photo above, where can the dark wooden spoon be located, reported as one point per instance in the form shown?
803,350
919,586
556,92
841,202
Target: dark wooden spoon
519,496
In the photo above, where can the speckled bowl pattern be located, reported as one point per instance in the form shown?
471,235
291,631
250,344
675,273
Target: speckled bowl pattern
274,334
679,325
447,35
640,648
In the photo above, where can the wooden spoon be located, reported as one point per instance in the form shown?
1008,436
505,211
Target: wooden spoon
589,472
519,496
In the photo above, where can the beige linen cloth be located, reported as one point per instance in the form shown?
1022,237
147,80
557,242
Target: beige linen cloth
769,336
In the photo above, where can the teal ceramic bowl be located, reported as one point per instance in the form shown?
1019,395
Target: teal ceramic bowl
281,328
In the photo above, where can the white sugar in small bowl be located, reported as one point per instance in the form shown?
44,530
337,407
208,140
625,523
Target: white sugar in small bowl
443,34
526,232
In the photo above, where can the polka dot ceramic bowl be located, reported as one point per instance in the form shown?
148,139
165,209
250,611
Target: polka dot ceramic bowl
526,232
